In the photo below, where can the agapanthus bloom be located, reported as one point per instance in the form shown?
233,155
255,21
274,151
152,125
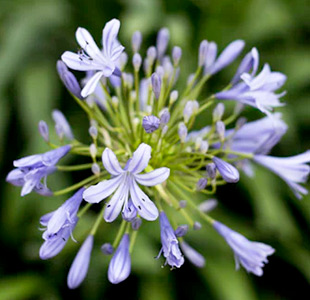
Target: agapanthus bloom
125,181
135,109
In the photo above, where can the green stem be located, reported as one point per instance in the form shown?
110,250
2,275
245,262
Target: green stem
98,221
119,234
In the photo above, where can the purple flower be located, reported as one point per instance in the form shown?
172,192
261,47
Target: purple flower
125,182
150,123
79,267
31,169
59,225
91,58
293,170
68,79
257,91
251,255
229,54
192,255
228,172
120,264
170,245
62,126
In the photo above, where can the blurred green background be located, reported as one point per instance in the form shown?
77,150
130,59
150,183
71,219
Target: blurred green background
33,35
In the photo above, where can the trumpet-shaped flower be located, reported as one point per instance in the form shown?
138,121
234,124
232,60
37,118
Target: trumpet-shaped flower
251,255
92,58
125,182
31,169
120,264
293,170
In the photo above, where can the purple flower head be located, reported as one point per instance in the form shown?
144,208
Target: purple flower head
43,130
170,244
120,264
150,123
92,58
68,79
249,62
79,267
31,169
229,54
257,91
251,255
125,182
293,170
62,126
192,255
228,172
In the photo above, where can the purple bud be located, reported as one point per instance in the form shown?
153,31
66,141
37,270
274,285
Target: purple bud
93,150
93,132
211,170
136,61
181,230
220,129
182,132
136,223
151,54
61,124
176,55
203,49
79,267
136,41
162,41
107,249
207,205
156,84
123,60
120,264
173,96
192,255
197,226
211,55
228,171
43,130
95,168
218,112
164,117
68,79
182,203
229,54
201,184
204,146
150,123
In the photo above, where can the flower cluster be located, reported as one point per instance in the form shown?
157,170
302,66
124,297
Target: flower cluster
146,160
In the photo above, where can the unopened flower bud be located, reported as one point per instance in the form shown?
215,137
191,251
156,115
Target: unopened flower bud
136,223
162,41
228,172
43,130
164,116
150,123
160,71
218,112
198,142
182,203
201,184
182,132
190,78
95,169
208,205
197,226
181,230
173,96
136,61
176,55
204,147
211,170
151,54
115,101
240,122
220,129
123,60
165,129
93,150
107,249
203,48
156,84
62,126
93,132
136,41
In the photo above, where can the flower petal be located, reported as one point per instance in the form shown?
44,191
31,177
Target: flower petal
146,208
75,62
154,177
111,163
140,159
91,84
109,35
115,204
102,190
